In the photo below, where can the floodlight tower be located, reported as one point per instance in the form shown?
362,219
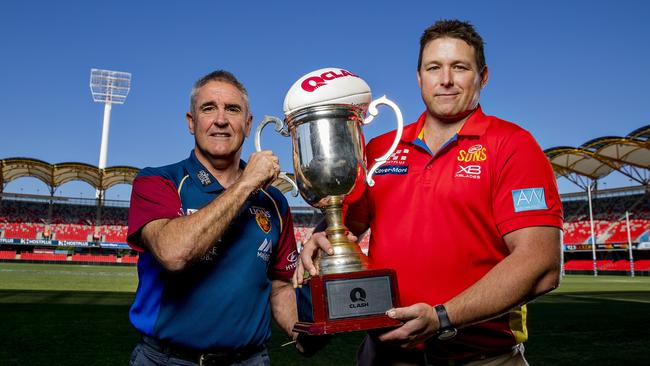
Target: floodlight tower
108,87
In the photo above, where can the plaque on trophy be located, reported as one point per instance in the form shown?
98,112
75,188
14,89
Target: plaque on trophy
324,114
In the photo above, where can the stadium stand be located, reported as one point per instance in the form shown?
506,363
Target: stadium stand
80,221
84,232
609,219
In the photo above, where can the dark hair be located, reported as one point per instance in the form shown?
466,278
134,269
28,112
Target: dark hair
453,28
218,75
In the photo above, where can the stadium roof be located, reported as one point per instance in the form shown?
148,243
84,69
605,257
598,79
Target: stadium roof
54,175
629,155
595,159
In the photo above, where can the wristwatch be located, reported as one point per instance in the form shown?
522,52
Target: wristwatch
446,330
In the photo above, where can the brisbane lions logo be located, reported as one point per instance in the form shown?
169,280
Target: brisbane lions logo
262,217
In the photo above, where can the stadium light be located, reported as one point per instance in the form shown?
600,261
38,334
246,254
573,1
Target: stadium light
108,87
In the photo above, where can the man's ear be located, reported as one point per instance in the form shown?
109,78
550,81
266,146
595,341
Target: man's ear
190,122
249,124
484,76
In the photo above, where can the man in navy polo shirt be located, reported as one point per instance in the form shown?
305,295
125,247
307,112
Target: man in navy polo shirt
216,242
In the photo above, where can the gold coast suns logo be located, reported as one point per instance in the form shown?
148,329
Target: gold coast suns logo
473,154
262,217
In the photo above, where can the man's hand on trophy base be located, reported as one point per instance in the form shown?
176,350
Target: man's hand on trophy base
420,323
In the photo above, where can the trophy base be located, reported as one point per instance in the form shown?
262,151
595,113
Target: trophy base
354,301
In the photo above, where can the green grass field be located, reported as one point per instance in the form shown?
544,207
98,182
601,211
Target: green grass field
77,315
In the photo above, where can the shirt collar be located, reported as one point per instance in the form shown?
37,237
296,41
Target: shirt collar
202,176
474,126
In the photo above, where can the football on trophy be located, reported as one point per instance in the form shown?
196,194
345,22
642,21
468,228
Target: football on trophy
331,85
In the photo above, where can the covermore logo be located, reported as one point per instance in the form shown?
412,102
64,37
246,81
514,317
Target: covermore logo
392,169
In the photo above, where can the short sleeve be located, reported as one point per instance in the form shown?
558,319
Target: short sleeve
286,256
525,191
152,198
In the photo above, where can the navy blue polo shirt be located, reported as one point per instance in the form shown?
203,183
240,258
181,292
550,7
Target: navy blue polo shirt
222,301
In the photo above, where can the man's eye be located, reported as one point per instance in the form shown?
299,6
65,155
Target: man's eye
208,108
433,68
233,109
460,67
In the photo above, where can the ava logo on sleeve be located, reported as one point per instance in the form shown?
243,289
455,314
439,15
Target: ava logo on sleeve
529,199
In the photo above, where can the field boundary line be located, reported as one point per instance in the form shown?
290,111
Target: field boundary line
607,298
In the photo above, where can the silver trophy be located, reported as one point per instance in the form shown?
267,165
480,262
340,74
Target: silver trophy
329,164
324,115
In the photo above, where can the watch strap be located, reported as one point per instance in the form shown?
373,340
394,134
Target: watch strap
443,318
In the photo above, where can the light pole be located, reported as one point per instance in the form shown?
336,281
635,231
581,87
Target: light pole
108,87
629,242
593,234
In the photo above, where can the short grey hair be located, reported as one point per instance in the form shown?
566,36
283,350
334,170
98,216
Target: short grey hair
218,75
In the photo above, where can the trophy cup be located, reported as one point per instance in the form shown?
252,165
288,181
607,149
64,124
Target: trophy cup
324,114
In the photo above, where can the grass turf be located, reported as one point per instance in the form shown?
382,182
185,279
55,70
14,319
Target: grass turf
77,315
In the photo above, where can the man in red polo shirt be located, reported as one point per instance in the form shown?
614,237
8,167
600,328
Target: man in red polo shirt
466,211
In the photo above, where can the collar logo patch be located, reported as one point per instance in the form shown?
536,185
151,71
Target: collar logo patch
529,199
204,177
398,157
473,154
262,217
264,251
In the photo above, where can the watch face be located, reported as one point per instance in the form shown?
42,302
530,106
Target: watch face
447,334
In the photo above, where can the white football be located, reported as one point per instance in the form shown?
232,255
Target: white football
331,85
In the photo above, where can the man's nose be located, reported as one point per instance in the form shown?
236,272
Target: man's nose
221,119
446,77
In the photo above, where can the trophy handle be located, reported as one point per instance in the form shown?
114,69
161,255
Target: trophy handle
281,128
372,113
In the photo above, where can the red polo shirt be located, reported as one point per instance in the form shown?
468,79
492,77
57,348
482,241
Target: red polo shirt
439,218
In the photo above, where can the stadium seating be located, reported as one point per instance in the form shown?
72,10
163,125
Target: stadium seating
130,259
72,220
42,256
7,254
606,265
113,233
94,258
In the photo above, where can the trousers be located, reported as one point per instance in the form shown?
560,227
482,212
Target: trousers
374,353
144,354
